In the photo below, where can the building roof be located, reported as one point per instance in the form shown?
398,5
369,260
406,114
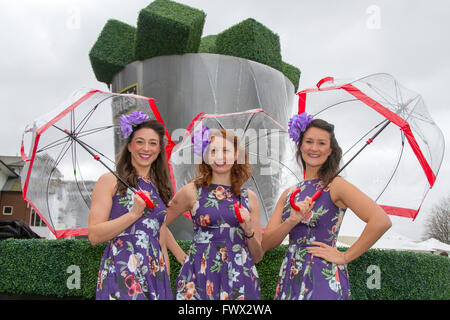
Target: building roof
13,163
10,167
437,245
7,170
13,184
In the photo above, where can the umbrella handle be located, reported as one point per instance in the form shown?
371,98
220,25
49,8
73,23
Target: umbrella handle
297,191
327,79
149,204
238,212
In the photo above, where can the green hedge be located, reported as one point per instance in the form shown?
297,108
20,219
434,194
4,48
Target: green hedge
208,44
113,50
39,266
404,275
292,73
251,40
165,27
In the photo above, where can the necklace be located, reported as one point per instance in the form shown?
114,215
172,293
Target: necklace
146,179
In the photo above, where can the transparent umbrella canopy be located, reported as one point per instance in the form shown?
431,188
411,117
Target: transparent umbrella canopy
386,132
69,149
267,143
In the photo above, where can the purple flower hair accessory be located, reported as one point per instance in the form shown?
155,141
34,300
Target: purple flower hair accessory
128,121
200,140
297,124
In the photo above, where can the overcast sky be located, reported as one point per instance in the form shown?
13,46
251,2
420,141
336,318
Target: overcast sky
45,45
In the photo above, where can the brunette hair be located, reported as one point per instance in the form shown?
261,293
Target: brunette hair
240,172
158,172
329,169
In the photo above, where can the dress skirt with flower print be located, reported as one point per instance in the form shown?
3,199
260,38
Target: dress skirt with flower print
218,265
133,266
302,276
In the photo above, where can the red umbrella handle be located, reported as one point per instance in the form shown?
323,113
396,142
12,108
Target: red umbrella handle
297,191
147,200
238,212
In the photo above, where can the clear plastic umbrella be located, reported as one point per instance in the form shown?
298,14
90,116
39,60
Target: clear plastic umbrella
385,131
69,149
267,143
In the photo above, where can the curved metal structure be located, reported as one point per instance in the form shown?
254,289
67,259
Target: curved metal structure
185,85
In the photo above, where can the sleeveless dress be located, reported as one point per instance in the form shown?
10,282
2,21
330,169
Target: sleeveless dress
133,265
219,264
302,276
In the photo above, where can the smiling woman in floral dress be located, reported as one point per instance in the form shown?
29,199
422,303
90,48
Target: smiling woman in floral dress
222,257
313,268
135,261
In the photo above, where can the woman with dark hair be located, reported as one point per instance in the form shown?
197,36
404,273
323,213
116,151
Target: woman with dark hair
313,268
135,263
222,257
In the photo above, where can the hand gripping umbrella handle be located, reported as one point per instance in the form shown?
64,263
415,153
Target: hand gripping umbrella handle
297,191
238,212
149,204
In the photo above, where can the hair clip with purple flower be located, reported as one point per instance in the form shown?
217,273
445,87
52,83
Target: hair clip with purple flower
200,139
298,124
131,120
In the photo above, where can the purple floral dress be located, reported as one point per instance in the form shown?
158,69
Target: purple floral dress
219,264
133,265
303,276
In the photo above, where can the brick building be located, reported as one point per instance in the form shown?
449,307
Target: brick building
12,205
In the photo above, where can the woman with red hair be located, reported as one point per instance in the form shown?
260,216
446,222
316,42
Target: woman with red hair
222,257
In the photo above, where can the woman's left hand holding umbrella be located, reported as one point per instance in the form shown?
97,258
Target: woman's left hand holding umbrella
250,226
102,229
245,220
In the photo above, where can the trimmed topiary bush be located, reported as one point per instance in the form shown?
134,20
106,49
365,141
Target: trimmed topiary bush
43,267
292,73
113,50
165,27
251,40
208,44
